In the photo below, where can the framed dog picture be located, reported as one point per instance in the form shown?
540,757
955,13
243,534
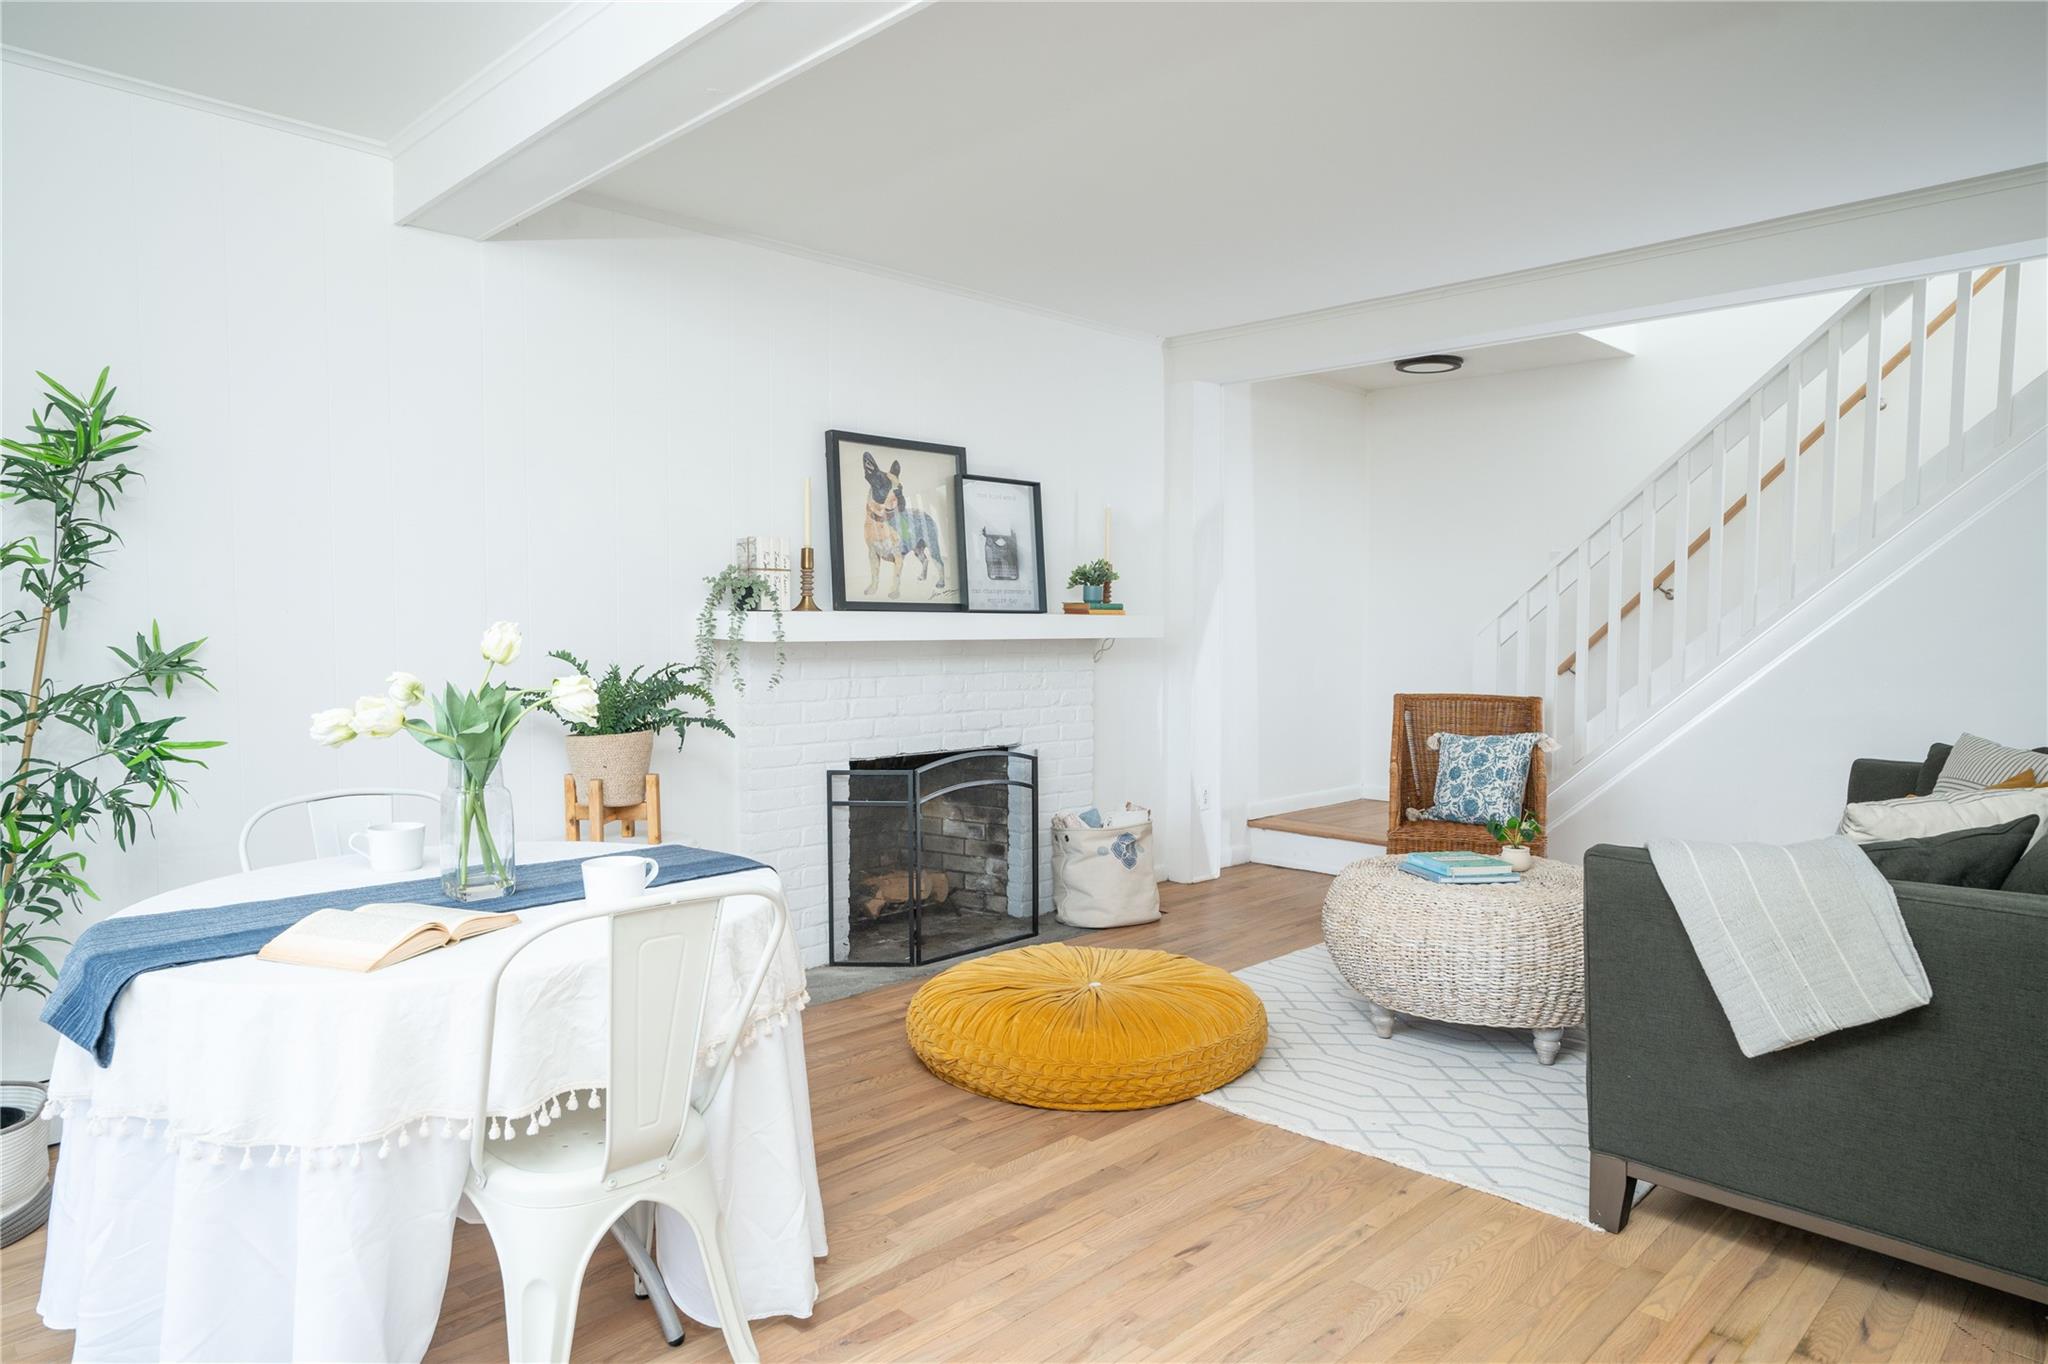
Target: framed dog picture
1004,563
895,523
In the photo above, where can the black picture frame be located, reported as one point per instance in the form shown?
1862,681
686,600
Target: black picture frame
991,549
942,466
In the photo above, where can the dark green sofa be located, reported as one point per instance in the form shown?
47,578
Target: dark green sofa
1923,1136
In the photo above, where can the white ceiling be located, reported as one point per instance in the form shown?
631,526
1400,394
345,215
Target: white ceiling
1172,168
1542,352
366,70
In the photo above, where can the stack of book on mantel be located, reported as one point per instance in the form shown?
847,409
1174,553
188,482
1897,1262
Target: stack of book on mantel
1106,608
1460,869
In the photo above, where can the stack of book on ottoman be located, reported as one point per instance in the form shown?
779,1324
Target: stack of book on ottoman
1460,869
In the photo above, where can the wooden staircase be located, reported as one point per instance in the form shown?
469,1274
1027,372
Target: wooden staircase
1901,399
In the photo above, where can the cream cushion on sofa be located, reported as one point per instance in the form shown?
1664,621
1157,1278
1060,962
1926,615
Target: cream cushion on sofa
1923,816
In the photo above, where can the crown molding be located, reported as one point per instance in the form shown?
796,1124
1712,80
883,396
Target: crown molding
476,87
2027,177
505,65
703,228
205,104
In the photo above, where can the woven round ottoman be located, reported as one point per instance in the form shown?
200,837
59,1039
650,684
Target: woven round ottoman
1496,956
1090,1028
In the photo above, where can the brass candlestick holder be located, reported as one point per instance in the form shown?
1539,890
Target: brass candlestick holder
809,571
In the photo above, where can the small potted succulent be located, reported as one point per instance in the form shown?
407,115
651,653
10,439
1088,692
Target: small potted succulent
1093,579
614,742
1514,836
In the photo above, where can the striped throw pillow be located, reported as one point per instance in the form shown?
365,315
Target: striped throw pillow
1977,764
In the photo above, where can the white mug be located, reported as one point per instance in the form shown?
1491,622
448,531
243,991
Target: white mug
392,847
615,880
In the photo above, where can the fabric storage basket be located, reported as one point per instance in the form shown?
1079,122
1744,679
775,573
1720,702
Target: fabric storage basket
1102,876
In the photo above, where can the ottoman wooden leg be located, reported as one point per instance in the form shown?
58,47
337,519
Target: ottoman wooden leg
1382,1021
1547,1042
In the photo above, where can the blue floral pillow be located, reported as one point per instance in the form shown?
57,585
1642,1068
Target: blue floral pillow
1480,777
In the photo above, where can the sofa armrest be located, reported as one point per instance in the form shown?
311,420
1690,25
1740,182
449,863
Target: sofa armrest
1882,779
1925,1127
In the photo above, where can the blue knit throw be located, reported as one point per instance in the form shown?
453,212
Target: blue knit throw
115,951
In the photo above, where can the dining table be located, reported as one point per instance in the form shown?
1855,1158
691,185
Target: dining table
271,1164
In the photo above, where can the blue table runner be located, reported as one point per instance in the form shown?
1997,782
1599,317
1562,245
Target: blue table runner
112,952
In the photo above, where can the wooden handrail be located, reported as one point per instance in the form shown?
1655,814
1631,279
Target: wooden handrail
1811,439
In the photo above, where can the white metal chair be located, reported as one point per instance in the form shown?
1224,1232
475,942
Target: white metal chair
548,1199
335,815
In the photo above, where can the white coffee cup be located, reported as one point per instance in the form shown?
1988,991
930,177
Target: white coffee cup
615,880
392,847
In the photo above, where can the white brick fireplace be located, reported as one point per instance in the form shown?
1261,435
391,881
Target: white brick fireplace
840,701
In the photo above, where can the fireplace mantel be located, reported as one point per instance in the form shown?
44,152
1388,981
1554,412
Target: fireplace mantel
938,627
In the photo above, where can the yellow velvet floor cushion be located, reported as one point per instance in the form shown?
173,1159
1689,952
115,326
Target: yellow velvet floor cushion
1060,1026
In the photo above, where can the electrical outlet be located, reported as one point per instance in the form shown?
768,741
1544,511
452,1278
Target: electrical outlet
1205,798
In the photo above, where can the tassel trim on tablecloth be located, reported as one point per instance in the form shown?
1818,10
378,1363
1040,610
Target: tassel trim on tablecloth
398,1137
502,1126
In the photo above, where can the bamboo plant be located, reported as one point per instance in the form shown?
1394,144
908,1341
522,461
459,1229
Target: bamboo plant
112,765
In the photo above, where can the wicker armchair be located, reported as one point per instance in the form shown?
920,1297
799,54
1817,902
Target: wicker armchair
1411,774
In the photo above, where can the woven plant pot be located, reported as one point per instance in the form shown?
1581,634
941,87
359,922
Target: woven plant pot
619,760
24,1161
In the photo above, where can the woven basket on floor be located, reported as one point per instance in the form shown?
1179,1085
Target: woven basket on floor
1097,1028
1496,956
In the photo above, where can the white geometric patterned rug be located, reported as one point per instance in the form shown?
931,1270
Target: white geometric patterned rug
1471,1105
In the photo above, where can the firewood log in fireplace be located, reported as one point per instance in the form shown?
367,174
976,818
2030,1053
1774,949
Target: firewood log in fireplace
880,891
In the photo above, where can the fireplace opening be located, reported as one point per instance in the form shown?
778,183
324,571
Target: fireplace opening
932,855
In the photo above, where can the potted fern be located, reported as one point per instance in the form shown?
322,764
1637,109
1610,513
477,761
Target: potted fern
616,744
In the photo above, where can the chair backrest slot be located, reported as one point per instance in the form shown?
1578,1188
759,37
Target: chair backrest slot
660,977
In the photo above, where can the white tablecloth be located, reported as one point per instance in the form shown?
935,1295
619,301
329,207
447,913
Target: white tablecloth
271,1166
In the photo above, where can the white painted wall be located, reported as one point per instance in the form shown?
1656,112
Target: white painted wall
372,441
1310,500
1476,483
1958,642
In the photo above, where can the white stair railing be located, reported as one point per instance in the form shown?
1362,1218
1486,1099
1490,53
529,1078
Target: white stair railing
1787,486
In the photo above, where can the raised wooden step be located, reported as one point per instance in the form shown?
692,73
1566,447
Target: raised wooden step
1353,821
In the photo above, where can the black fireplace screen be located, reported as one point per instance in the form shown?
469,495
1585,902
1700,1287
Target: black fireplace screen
932,855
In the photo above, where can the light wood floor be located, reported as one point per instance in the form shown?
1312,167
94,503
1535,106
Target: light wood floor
964,1229
1355,821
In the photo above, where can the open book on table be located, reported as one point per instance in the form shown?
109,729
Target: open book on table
376,936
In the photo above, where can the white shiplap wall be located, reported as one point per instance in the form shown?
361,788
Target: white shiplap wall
371,441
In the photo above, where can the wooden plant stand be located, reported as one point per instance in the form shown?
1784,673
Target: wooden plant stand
628,816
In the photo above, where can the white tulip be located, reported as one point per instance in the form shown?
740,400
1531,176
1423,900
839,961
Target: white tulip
332,727
377,717
502,642
405,689
574,698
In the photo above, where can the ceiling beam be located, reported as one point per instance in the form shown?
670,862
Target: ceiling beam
611,89
1984,221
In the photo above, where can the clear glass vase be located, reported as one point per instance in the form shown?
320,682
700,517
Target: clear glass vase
477,859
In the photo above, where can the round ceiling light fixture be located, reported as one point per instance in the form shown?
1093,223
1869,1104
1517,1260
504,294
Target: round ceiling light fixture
1430,364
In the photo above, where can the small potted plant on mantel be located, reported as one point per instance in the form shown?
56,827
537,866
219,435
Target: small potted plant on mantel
1514,836
1093,579
616,743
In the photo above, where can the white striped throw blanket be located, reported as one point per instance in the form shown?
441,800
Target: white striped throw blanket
1797,941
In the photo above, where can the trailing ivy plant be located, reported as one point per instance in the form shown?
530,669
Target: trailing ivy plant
739,591
644,699
113,765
